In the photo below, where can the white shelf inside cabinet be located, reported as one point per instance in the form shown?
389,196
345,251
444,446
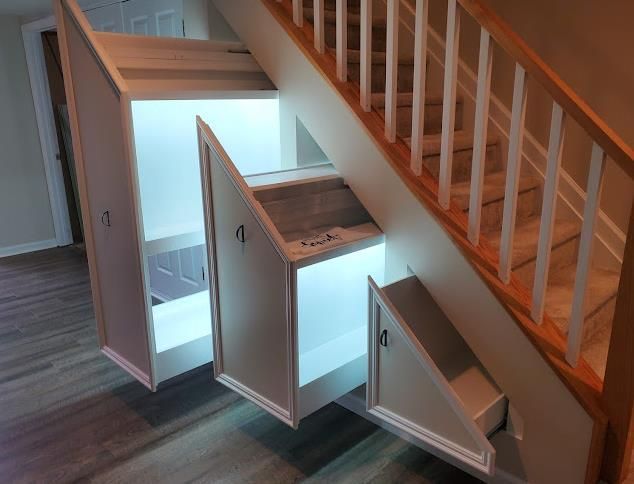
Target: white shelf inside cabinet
309,174
182,320
332,355
174,237
182,334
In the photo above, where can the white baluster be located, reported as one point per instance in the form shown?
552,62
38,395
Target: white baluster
342,40
549,209
391,69
584,260
513,167
298,12
480,136
449,103
366,55
420,75
318,19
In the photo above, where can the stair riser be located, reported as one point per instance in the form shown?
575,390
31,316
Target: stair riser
561,256
600,319
405,76
354,37
353,5
433,119
461,166
527,207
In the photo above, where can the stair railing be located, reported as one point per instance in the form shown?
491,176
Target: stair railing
618,392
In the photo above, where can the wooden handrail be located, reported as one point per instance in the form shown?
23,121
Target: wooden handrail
615,147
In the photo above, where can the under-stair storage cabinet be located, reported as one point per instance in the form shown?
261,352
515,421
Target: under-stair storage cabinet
424,380
290,253
132,104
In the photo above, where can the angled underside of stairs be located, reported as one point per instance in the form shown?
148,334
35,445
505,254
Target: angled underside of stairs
526,360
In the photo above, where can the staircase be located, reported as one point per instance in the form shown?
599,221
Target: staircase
603,284
576,314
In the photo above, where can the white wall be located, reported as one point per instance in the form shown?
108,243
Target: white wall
26,222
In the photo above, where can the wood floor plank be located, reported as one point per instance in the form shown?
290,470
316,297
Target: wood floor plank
71,415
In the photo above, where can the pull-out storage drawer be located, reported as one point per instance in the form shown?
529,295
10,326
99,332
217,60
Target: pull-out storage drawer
290,255
424,379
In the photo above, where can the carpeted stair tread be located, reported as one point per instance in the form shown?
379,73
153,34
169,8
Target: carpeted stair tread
595,349
330,17
493,188
378,57
526,238
406,99
463,140
602,288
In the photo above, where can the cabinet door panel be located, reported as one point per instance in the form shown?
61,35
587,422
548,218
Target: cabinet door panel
107,202
162,18
252,301
178,273
106,19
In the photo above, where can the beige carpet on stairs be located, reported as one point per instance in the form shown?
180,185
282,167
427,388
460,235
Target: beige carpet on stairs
603,285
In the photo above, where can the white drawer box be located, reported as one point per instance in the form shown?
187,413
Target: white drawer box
424,379
290,254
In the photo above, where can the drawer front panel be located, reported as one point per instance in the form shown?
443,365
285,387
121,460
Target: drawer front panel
252,280
406,390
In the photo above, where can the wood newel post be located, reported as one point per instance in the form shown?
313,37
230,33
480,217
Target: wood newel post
618,388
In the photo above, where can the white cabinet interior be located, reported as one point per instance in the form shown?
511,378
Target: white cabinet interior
171,210
424,379
290,254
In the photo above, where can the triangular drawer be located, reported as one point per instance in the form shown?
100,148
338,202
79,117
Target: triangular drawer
424,379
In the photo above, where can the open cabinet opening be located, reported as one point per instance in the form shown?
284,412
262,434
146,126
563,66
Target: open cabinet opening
171,208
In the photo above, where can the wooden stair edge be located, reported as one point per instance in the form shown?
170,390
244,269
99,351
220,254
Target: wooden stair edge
582,382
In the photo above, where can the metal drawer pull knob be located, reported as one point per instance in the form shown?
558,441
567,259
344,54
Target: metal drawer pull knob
105,218
240,233
383,338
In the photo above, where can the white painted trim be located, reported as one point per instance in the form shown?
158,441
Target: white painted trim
34,52
610,239
27,247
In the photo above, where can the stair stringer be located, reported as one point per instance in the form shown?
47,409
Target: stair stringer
558,434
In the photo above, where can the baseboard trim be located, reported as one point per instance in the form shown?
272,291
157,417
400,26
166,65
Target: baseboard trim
28,247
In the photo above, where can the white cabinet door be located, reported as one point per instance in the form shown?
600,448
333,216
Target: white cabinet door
163,18
108,18
178,273
102,157
251,300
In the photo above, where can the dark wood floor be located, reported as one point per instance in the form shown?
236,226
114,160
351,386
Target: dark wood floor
69,414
